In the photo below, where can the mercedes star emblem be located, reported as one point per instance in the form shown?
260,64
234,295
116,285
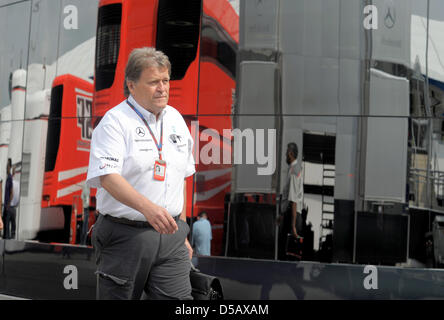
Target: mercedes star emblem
140,131
390,15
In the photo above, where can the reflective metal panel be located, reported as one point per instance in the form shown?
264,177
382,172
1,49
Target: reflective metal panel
248,279
48,271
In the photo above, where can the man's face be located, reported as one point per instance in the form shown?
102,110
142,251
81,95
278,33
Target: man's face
152,89
288,155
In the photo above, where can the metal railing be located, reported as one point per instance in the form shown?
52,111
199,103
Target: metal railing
418,181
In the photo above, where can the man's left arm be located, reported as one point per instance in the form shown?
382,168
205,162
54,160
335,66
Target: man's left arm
183,216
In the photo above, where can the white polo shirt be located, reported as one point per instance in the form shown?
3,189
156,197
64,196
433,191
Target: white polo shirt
16,192
122,144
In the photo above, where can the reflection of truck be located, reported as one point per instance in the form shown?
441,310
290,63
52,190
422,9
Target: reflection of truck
67,154
51,159
30,108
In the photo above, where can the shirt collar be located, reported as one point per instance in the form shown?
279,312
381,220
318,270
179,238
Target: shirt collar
149,116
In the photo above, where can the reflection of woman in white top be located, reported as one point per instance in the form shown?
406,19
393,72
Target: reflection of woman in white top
15,190
293,191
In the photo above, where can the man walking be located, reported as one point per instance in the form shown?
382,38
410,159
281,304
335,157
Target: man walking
140,237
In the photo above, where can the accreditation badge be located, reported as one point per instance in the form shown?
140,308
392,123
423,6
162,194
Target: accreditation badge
159,170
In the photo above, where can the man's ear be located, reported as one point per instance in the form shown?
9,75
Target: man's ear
130,85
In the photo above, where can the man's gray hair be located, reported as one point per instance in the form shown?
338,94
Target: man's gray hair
141,59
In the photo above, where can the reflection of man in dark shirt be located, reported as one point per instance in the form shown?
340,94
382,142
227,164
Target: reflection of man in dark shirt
293,192
9,212
8,185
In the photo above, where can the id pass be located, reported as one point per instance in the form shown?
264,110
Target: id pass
159,170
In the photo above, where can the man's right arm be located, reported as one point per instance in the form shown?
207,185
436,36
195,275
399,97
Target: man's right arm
294,214
123,192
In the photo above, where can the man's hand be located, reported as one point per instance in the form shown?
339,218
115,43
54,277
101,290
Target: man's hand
123,192
190,249
160,219
294,232
1,223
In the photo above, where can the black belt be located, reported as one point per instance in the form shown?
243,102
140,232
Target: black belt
134,223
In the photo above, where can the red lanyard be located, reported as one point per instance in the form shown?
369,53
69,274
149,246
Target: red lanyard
158,145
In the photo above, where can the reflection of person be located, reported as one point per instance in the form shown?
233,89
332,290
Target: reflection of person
292,197
140,237
15,189
9,210
202,235
1,207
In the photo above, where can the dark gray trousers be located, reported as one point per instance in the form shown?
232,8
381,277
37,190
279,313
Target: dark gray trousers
134,262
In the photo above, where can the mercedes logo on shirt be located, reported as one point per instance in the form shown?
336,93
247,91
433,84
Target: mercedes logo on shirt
140,132
174,138
390,14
